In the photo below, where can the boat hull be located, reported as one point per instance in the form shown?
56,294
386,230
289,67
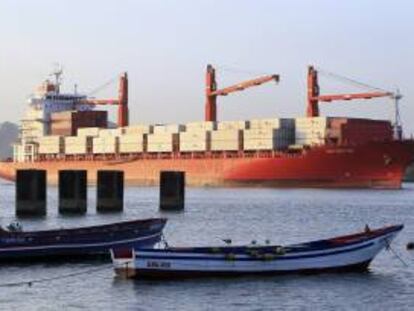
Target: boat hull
185,274
79,242
371,165
355,254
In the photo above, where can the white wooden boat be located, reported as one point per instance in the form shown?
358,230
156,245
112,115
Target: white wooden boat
340,254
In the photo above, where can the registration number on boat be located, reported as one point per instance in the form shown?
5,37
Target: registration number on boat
158,264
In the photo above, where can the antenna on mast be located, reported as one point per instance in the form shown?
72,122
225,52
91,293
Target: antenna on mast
398,132
57,73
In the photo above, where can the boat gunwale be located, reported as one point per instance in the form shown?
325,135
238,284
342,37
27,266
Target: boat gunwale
88,229
293,248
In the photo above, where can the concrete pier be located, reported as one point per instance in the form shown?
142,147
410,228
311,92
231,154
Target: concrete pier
110,191
73,191
30,192
172,190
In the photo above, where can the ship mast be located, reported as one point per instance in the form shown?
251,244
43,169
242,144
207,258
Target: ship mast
57,74
398,132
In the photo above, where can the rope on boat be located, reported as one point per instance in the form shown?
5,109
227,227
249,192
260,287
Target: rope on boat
395,253
54,278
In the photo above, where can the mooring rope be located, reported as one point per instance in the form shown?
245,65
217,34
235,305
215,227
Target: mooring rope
54,278
388,245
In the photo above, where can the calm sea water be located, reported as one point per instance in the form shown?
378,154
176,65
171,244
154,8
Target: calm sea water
283,216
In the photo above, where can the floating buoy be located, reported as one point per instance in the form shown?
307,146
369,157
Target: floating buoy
410,246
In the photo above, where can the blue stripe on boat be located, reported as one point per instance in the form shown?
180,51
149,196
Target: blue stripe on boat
277,257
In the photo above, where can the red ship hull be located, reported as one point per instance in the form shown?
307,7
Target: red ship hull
370,165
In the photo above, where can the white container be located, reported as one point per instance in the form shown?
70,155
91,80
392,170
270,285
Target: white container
230,140
110,132
233,125
48,149
195,135
201,126
169,128
131,143
259,133
268,139
138,129
311,131
105,145
89,131
260,144
271,123
162,142
77,145
312,120
195,141
50,144
194,146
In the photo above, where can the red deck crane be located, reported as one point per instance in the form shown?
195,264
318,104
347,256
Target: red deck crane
212,92
121,101
314,97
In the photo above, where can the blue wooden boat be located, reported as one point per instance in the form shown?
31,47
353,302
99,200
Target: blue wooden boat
340,254
79,242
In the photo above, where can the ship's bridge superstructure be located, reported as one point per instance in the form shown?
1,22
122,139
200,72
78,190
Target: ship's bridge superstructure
36,121
47,100
52,114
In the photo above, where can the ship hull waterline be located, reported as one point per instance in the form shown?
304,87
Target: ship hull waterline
372,165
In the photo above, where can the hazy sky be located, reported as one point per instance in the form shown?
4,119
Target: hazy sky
165,46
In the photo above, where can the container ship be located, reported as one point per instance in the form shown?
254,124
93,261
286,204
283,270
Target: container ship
67,131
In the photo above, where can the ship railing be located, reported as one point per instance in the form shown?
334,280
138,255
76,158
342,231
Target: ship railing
172,155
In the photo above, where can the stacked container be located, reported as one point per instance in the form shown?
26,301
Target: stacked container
269,134
105,144
195,140
50,144
134,138
359,131
311,131
168,128
233,125
89,131
268,139
197,136
110,132
201,126
78,145
273,123
61,123
321,130
163,142
66,123
227,140
137,129
165,138
132,143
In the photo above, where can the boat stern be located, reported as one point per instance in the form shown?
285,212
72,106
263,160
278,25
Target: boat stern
123,260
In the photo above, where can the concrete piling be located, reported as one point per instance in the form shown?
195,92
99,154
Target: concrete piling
110,191
72,191
30,192
172,190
